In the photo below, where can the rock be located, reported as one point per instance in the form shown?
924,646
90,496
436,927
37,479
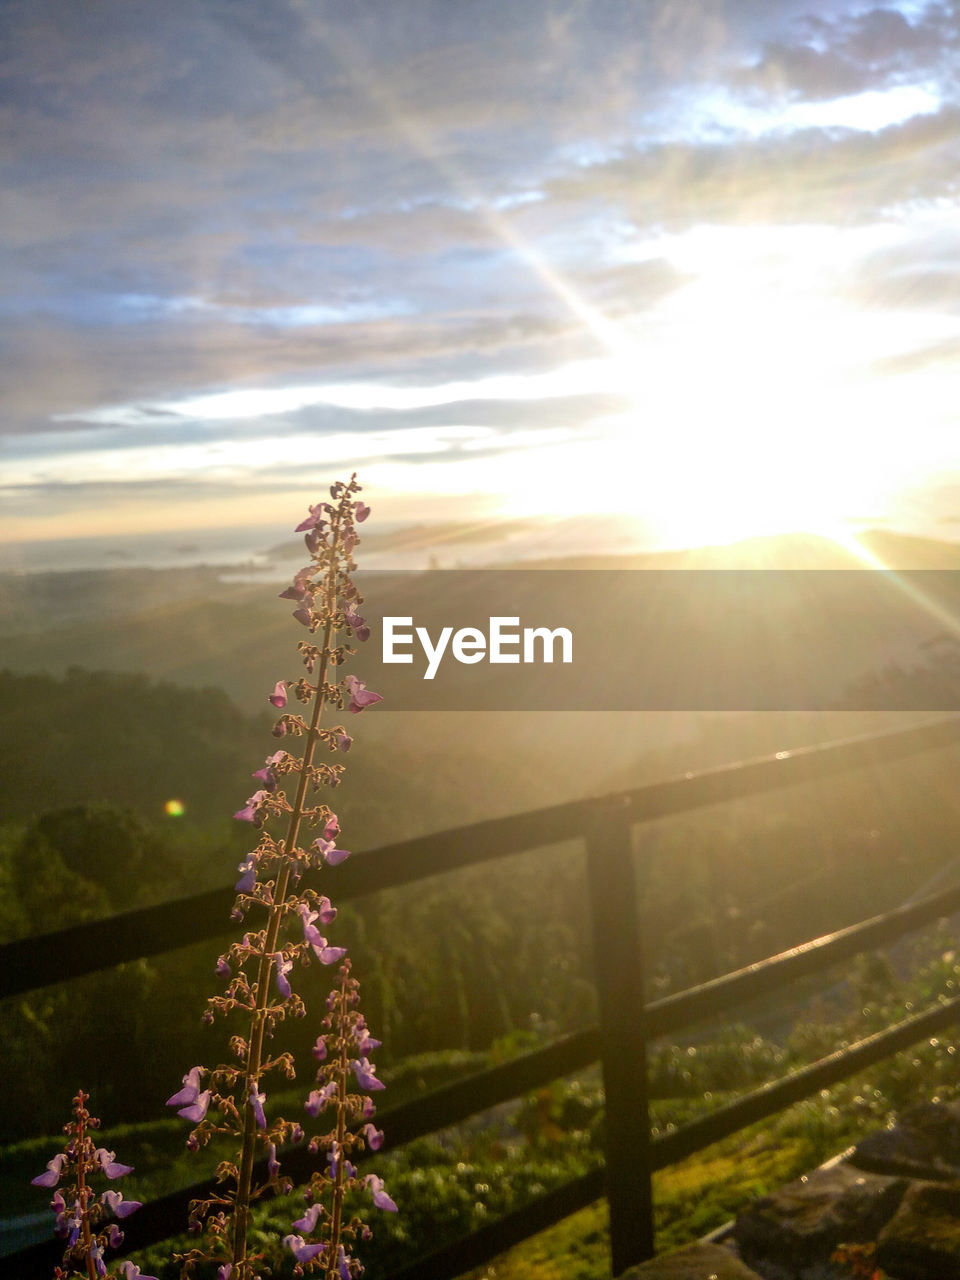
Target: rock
924,1143
695,1262
922,1240
793,1231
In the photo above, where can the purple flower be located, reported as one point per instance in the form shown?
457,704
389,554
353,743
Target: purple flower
333,857
223,968
344,742
279,696
279,729
360,512
198,1109
273,1164
319,1099
74,1224
332,828
192,1103
308,1222
380,1198
314,519
131,1271
360,695
367,1043
253,810
266,775
256,1101
310,932
117,1205
282,968
302,1251
373,1135
325,954
52,1176
249,878
319,1049
109,1163
303,615
357,624
224,1272
96,1253
333,1160
366,1074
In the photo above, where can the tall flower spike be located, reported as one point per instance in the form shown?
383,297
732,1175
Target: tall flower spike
297,841
82,1214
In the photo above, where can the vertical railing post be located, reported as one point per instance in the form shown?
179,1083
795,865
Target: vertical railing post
620,992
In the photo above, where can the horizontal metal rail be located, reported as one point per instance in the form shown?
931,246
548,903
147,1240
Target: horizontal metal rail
605,823
458,1101
28,964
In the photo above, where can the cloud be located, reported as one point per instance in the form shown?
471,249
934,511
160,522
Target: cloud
258,196
852,52
813,176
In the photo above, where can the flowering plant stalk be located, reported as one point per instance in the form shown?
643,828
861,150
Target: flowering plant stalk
82,1215
230,1099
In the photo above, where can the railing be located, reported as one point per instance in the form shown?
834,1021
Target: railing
626,1024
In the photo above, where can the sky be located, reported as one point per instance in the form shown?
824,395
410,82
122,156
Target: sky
692,264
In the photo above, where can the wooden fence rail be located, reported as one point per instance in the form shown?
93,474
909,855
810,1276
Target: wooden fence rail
626,1025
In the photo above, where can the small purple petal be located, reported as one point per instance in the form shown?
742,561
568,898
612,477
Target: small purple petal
190,1090
118,1206
333,857
198,1110
329,955
360,695
109,1164
373,1135
256,1101
360,512
249,878
279,696
52,1176
320,1099
380,1198
282,968
366,1074
308,1222
302,1251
